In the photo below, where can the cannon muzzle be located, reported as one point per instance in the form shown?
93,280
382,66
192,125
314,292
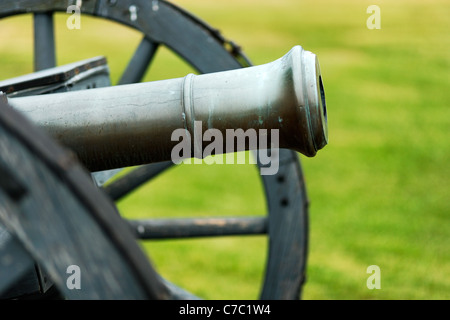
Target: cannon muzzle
133,124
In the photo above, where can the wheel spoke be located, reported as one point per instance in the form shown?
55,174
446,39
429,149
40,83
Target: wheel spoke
201,227
121,187
44,41
139,62
14,261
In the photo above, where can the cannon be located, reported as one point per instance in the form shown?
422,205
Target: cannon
129,125
61,140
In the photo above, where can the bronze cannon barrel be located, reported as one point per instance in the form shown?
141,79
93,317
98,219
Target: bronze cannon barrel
133,124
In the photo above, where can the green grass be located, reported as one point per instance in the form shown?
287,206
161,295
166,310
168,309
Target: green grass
379,191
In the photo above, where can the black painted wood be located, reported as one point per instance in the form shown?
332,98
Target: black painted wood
126,184
93,72
200,227
139,63
16,264
10,184
13,7
44,41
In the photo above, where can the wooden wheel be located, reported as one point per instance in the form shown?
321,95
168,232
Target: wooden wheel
163,24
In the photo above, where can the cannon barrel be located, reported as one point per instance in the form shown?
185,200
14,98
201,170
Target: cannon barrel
133,124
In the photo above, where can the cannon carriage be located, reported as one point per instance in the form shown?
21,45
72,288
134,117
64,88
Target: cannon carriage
68,131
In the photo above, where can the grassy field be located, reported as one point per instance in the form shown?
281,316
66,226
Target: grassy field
379,191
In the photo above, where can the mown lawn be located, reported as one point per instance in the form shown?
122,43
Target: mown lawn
379,191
